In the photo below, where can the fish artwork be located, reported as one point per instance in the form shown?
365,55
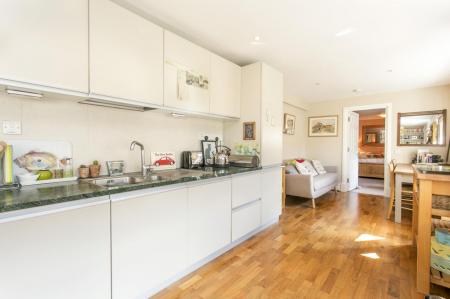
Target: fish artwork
33,161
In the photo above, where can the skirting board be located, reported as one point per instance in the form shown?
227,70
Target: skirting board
206,260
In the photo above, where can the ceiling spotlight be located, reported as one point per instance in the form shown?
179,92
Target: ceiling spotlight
356,90
344,32
257,41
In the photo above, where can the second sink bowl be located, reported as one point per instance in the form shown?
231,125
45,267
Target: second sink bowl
124,180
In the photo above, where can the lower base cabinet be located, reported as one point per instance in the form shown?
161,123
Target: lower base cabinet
149,241
270,194
65,254
246,219
209,223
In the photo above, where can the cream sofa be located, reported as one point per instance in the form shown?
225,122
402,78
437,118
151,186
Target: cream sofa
309,186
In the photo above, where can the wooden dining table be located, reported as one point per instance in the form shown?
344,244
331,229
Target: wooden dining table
403,174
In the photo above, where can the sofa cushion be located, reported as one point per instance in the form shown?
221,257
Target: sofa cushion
290,169
324,180
305,168
318,166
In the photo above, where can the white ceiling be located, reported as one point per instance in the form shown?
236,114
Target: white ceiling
409,37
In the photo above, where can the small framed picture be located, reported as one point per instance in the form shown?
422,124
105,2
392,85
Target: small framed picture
323,126
289,124
209,149
249,130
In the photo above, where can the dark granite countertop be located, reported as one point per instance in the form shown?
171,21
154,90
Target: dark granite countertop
47,194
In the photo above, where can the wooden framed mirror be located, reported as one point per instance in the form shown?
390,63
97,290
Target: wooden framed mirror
425,128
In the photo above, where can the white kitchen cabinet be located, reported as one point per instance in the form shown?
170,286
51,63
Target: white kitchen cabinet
65,254
246,188
272,116
225,87
183,61
262,103
246,219
126,54
209,223
149,240
44,43
271,194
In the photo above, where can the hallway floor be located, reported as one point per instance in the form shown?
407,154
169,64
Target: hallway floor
345,248
370,186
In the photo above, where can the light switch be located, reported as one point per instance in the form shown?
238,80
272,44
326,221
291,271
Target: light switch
12,127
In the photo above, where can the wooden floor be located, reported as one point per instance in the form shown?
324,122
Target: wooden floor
313,254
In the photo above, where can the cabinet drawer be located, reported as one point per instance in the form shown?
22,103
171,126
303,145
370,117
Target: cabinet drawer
246,219
246,188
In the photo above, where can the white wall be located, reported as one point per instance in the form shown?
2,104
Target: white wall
104,134
294,146
329,149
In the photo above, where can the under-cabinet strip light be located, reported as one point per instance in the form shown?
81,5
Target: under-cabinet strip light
24,93
109,104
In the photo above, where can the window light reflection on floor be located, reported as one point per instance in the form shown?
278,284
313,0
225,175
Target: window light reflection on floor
367,237
371,255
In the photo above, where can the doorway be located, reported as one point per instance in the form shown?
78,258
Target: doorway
366,149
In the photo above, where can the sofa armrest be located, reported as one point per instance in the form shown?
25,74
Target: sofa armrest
331,168
299,185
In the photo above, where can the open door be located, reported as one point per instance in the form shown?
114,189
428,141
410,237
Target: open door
352,150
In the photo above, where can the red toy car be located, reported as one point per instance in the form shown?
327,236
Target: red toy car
164,161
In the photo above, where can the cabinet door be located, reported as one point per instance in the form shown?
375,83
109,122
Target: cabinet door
209,219
126,54
60,255
246,188
272,116
246,219
225,87
271,194
149,241
45,43
186,66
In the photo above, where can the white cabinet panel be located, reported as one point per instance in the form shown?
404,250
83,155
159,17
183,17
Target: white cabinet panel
246,219
182,57
225,87
45,43
126,54
149,241
272,116
271,194
209,219
246,188
60,255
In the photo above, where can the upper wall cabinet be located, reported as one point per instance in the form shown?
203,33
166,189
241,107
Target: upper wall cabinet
126,54
225,87
45,43
186,74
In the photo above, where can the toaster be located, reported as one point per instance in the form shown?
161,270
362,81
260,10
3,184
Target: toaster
191,159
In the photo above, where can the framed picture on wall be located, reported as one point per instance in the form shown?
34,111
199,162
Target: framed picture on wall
323,126
249,130
289,124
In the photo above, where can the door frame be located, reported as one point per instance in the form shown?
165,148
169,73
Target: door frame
387,141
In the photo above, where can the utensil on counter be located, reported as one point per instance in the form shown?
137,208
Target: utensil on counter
221,157
191,159
27,178
244,161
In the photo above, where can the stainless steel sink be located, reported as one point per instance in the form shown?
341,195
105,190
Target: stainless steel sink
124,180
